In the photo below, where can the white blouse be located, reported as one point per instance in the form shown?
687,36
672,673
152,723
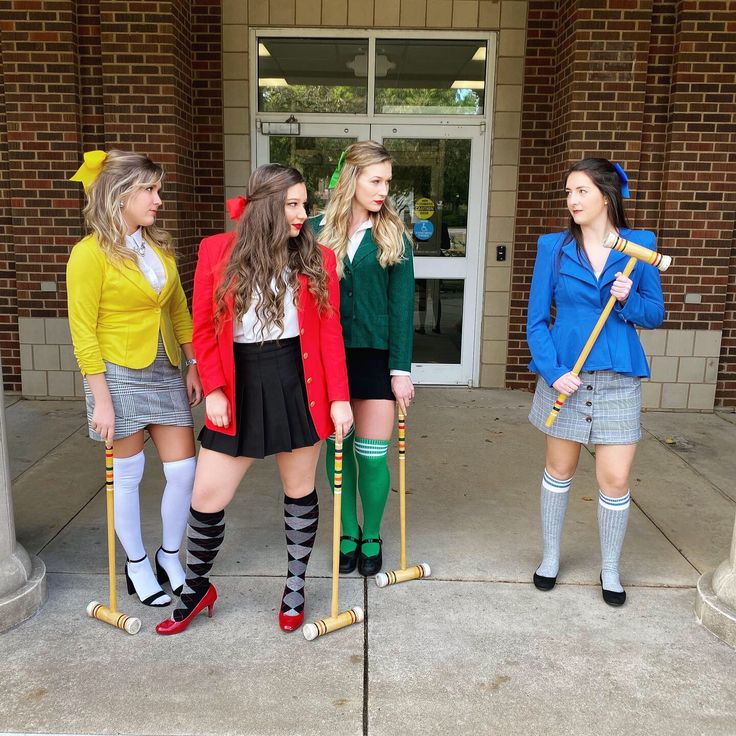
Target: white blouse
148,261
250,329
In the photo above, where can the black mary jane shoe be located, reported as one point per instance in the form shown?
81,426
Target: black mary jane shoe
544,583
349,560
368,566
611,596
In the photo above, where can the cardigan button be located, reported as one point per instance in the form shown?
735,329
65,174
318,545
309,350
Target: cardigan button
588,419
588,403
312,403
590,388
305,355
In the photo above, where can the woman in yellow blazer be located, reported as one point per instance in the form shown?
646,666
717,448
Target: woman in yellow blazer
130,322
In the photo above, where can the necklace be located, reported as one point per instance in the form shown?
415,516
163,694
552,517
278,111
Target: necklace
139,248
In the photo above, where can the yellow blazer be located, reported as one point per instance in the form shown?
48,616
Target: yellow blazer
116,315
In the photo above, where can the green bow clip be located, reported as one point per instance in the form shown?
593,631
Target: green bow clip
336,173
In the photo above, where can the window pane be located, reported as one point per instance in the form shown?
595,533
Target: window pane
312,75
316,158
432,77
438,320
430,187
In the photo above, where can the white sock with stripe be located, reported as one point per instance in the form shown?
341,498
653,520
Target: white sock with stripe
613,516
553,503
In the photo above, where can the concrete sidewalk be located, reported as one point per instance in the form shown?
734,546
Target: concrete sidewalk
475,649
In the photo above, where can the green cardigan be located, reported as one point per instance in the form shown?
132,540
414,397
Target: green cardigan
377,304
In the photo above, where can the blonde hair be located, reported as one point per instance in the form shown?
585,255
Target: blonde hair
123,174
388,229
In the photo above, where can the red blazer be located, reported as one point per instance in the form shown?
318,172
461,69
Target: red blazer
323,350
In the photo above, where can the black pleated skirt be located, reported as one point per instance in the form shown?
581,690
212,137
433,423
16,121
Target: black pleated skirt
272,412
369,376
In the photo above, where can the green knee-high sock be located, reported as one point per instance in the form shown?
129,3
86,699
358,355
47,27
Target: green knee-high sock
374,483
349,515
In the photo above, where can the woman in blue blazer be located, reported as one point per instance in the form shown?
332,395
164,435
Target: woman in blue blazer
576,273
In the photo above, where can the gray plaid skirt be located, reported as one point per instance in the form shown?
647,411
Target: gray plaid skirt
605,410
155,394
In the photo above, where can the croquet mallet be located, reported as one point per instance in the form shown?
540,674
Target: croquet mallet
422,570
110,614
354,615
635,252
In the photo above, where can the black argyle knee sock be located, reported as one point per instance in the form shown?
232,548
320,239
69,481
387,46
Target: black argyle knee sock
204,538
301,516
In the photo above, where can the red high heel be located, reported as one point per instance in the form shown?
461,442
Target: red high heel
169,626
291,623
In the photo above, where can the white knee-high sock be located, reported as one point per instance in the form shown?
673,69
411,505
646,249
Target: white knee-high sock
554,496
128,472
175,504
176,501
613,516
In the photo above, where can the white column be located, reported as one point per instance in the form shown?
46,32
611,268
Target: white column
22,576
715,605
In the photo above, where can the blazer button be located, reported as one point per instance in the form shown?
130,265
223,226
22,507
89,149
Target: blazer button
301,332
309,380
305,355
312,403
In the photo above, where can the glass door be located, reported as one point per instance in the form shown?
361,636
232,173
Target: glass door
436,187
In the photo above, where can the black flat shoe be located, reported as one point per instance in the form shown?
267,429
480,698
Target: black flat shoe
544,583
349,560
368,566
611,596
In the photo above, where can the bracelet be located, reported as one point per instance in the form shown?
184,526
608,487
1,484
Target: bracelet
190,361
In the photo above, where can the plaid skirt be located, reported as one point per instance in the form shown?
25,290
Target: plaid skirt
155,394
605,410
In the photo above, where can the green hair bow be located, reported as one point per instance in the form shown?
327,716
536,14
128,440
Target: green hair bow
336,173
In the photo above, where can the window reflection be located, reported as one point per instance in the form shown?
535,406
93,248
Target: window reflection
438,320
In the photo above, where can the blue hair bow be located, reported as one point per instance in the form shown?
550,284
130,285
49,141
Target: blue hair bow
624,181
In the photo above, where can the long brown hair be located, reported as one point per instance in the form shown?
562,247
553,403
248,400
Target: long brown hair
388,229
263,251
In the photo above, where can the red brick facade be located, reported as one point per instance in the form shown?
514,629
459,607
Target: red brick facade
651,84
99,74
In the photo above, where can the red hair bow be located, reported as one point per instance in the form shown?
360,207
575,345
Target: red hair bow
236,206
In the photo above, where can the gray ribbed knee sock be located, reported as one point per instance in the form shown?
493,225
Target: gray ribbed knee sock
553,503
613,516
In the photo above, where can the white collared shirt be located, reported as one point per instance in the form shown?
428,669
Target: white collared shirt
250,329
149,263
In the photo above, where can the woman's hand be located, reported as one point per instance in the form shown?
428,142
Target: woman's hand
567,384
194,386
103,420
403,390
342,417
217,408
621,287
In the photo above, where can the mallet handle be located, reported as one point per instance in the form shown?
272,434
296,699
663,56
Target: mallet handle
333,623
559,403
337,511
110,501
402,486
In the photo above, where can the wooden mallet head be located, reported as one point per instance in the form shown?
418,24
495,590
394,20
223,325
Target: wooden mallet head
652,257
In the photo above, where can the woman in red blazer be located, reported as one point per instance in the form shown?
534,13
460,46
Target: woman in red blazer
269,346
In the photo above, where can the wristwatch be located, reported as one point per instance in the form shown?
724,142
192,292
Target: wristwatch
190,361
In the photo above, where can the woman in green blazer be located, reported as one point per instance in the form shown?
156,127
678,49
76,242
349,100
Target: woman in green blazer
374,261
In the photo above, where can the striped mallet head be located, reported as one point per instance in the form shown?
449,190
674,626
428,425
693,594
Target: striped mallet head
327,625
129,624
652,257
415,572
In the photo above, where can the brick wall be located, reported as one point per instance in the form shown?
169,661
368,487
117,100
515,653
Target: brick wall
651,85
96,74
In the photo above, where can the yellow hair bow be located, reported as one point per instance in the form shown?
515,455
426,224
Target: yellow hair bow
90,169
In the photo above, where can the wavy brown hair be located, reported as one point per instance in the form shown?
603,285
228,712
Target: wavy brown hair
263,251
123,174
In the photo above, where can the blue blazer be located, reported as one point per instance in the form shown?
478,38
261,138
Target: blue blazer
562,277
